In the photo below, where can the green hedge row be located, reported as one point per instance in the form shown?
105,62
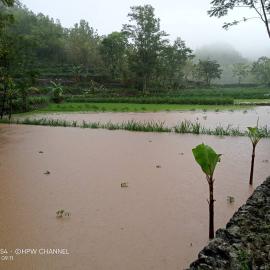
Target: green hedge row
155,100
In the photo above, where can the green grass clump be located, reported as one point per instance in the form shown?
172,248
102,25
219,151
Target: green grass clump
146,126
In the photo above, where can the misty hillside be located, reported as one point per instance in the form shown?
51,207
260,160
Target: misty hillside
226,55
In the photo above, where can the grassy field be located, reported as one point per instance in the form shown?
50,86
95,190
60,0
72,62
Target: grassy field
131,107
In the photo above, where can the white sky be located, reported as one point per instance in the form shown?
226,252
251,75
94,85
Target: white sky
187,19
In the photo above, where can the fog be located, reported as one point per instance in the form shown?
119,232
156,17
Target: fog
187,19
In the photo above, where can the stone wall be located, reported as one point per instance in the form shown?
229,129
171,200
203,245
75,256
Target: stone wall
245,243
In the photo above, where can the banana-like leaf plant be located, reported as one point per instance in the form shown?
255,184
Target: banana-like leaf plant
255,136
207,158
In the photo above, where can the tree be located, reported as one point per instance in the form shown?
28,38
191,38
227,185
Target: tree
207,158
77,71
255,136
8,3
6,51
146,42
261,8
5,15
113,51
240,71
172,61
208,70
11,96
261,70
83,46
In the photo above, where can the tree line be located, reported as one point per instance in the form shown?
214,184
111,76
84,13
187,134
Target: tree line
140,56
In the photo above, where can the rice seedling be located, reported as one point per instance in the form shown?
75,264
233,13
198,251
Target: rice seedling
182,127
221,131
195,128
236,132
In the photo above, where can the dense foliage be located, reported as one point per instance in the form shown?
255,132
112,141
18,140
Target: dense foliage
36,50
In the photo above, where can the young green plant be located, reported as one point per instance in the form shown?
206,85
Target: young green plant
255,136
207,158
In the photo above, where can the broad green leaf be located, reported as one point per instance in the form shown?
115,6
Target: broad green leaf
207,158
254,134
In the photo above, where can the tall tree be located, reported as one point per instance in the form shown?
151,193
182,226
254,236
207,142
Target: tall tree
208,70
240,71
172,61
6,50
8,3
83,46
147,41
261,8
113,51
261,70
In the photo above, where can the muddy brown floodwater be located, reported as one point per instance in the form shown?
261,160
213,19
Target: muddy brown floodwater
160,221
211,119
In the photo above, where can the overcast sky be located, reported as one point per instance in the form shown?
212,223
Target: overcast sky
183,18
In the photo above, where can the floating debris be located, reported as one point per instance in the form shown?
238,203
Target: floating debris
181,154
265,161
124,184
40,152
47,173
62,213
230,199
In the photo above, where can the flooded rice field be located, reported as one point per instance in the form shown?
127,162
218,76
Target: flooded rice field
159,221
209,119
